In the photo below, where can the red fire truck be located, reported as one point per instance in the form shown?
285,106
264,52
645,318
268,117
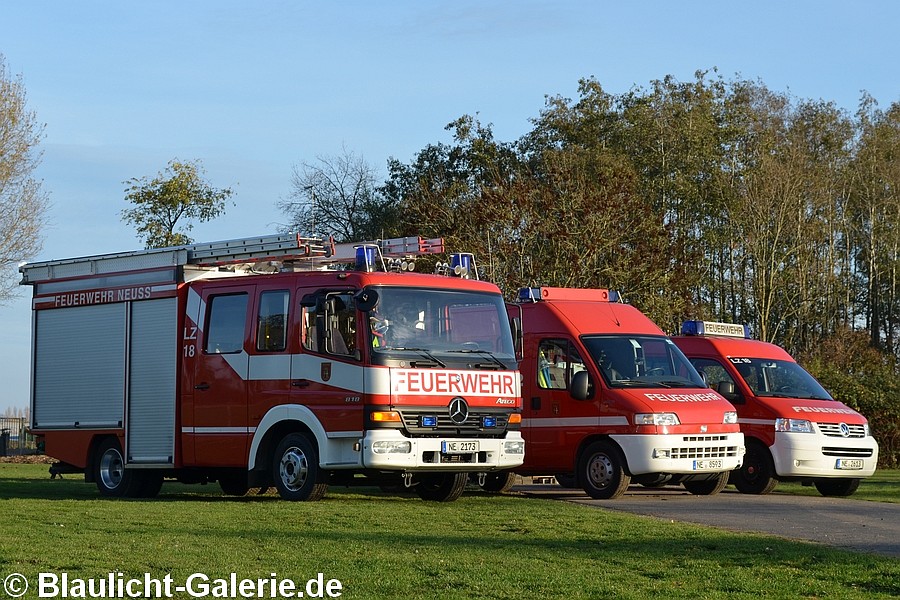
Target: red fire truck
794,429
275,361
609,399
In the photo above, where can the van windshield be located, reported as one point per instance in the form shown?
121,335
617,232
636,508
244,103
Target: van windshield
441,322
779,378
641,361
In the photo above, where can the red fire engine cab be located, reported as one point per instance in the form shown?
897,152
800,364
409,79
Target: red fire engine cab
794,429
275,361
609,399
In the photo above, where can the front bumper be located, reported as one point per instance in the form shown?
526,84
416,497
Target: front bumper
816,455
682,453
427,455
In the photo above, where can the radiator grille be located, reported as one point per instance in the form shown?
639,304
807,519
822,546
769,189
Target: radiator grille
834,430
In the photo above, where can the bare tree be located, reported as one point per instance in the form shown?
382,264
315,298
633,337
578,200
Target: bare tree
337,196
23,203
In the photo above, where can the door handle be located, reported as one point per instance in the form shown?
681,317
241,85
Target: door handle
300,383
201,386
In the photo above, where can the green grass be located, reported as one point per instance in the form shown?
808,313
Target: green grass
382,546
883,486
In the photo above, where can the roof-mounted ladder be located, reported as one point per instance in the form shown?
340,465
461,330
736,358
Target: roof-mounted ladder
306,252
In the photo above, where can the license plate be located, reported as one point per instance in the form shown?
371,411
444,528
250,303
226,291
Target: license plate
849,464
459,447
706,465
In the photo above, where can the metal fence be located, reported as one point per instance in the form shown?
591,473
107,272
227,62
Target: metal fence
14,440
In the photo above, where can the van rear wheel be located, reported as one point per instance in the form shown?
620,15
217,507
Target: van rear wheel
707,487
601,471
837,487
757,474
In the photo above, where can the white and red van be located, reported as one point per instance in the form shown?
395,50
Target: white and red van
609,399
793,428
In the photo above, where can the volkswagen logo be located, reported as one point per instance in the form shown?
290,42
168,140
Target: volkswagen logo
459,410
845,430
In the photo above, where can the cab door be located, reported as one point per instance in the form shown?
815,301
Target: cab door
556,421
327,375
220,428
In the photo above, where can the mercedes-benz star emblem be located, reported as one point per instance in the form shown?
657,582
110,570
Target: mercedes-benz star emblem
459,410
845,430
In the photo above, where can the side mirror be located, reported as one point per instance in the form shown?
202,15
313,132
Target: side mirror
727,390
365,300
516,325
581,387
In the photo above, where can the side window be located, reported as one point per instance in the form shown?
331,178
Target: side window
225,324
271,322
330,326
558,360
712,370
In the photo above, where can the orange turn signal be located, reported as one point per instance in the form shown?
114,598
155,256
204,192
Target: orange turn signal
391,416
515,418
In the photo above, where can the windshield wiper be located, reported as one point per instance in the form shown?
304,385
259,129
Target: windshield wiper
675,384
489,355
424,353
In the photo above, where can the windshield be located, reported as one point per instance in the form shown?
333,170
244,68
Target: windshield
641,361
440,322
779,378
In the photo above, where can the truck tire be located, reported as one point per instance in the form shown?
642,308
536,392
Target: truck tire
836,487
707,487
149,484
112,478
295,469
500,482
757,474
234,485
566,480
443,487
601,471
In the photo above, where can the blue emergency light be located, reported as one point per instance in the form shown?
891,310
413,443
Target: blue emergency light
461,264
706,328
365,257
489,421
429,421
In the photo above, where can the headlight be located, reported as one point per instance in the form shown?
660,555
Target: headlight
664,419
514,447
730,417
793,425
386,447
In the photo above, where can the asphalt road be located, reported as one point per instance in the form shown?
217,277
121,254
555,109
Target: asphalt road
843,522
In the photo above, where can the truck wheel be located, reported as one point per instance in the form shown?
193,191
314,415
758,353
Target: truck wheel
234,485
149,484
707,487
444,487
497,483
837,487
601,471
113,479
566,480
295,469
757,474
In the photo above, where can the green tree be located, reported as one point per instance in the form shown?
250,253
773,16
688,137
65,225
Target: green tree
23,203
172,200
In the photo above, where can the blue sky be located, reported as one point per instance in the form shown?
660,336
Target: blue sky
253,89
